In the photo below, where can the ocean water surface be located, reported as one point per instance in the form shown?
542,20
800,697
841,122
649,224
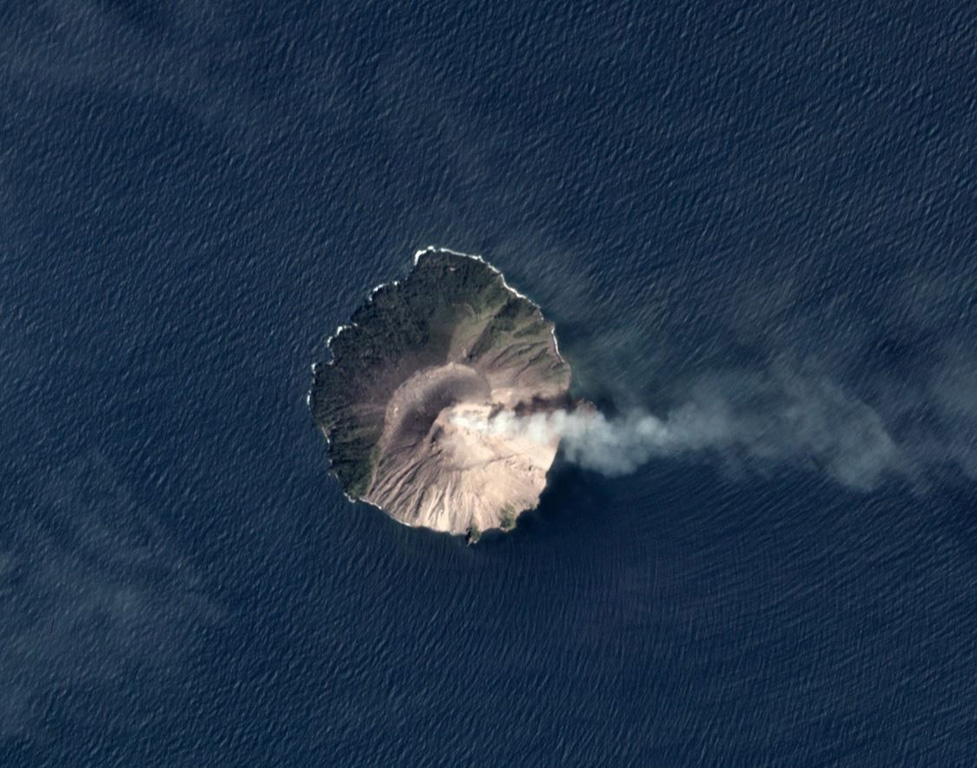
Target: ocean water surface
762,214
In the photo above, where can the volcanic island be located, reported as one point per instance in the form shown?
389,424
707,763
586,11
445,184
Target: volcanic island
415,377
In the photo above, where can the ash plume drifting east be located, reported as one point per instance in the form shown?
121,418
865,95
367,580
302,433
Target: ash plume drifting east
757,421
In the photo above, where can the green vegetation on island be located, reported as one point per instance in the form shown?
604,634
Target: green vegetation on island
508,518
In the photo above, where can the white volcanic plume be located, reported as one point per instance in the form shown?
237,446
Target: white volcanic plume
814,424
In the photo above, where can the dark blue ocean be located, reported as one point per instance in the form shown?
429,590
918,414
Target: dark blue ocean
771,207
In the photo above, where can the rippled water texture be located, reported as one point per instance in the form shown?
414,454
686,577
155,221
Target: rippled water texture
763,213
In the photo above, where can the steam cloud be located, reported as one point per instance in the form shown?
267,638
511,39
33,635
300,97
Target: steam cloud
759,421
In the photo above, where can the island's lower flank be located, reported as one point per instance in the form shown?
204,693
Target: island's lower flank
416,380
